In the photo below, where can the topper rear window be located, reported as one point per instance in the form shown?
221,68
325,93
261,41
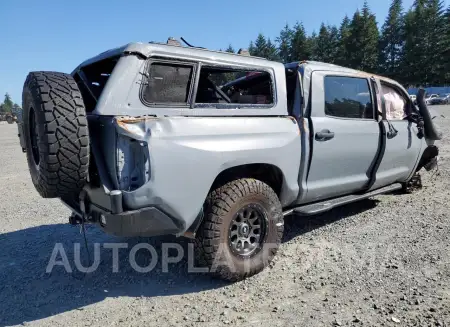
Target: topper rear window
91,80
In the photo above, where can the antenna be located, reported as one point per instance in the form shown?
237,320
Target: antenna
190,45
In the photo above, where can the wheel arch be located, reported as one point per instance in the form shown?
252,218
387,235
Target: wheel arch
270,174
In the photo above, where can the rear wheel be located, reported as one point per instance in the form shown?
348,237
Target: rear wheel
242,229
56,134
10,120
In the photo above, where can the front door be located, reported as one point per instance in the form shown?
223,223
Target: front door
402,147
345,135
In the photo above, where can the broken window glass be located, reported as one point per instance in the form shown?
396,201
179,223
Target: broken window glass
168,83
226,85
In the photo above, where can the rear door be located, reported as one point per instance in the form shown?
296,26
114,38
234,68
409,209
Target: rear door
345,135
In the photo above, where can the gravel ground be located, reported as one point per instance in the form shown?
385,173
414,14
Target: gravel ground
379,262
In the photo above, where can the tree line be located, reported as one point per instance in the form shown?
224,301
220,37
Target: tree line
8,105
412,47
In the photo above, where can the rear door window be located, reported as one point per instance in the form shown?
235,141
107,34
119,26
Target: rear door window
348,97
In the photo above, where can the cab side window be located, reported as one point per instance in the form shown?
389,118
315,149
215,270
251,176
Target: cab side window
348,97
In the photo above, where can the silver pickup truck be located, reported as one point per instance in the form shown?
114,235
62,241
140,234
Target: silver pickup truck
152,138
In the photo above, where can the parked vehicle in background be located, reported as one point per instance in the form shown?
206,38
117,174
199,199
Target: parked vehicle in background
441,99
8,117
431,97
157,139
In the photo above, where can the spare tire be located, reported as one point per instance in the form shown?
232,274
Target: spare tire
56,134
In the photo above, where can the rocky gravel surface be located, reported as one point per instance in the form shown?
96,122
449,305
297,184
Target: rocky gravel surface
380,262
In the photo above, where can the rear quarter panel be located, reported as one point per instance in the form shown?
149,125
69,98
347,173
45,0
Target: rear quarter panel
186,154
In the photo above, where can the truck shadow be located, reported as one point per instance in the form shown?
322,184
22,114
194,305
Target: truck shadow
29,293
296,225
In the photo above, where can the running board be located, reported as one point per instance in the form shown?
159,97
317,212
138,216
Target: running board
319,207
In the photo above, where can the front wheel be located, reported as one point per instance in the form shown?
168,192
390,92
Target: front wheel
242,229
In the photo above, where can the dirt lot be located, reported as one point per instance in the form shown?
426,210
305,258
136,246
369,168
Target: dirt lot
380,262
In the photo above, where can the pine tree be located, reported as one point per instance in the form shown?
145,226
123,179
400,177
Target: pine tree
300,46
322,46
260,46
424,43
230,49
284,41
271,51
411,60
446,54
392,41
251,48
436,47
362,45
342,57
334,41
311,45
7,105
326,45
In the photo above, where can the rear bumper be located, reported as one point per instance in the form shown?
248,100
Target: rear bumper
143,222
106,211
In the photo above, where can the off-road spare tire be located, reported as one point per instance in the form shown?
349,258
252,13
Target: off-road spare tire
56,134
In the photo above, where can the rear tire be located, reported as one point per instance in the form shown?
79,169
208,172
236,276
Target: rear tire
9,120
56,134
239,213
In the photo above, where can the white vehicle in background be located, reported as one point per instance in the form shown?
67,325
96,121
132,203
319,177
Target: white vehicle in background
431,97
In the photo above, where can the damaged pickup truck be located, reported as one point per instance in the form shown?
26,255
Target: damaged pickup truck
152,139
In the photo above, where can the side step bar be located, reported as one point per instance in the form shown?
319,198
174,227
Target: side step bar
320,207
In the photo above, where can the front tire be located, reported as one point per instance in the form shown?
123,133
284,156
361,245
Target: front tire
242,229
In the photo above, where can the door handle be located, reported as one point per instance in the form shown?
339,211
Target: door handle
324,135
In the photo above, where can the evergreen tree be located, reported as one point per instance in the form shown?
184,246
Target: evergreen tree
284,41
446,55
411,58
362,45
260,46
322,44
342,57
7,105
271,51
300,46
326,45
334,41
414,47
424,44
392,41
312,45
435,41
251,48
230,49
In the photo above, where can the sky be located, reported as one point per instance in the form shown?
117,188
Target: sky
57,35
